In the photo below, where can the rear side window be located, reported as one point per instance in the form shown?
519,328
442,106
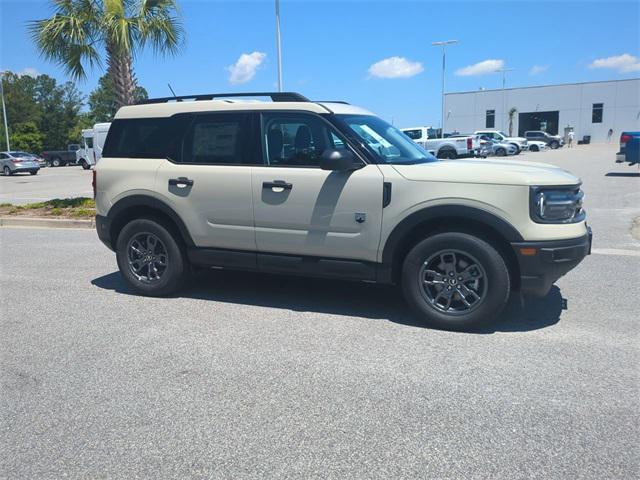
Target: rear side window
217,139
413,134
145,137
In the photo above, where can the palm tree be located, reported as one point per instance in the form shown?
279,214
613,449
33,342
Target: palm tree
81,32
512,114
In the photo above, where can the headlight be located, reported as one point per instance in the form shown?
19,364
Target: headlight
557,204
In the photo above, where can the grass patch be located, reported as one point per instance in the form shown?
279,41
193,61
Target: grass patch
79,207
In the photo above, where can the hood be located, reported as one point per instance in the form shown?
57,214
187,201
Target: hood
497,172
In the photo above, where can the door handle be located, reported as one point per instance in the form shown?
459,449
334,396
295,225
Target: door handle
181,182
277,184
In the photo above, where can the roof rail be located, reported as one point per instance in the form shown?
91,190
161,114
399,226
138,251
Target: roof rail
275,97
332,101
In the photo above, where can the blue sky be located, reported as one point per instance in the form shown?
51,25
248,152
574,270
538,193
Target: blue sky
330,48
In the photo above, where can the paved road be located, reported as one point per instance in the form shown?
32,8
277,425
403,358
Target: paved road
60,182
254,376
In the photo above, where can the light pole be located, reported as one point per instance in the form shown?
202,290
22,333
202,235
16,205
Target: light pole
443,45
4,111
504,99
278,45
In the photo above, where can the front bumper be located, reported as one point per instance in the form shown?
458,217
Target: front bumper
22,169
103,227
542,263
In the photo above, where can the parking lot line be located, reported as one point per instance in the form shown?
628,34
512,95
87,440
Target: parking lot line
616,251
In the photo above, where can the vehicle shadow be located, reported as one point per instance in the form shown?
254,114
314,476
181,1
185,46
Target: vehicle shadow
335,297
622,174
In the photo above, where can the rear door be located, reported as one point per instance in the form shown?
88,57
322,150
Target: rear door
207,181
303,210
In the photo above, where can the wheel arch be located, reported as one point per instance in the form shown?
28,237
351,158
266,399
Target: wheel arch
446,218
144,206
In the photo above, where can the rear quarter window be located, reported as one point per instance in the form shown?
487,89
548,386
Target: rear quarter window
145,137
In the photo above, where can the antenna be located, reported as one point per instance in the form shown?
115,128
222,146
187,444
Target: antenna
174,93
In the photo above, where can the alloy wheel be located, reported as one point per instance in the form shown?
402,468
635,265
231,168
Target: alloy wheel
147,257
453,282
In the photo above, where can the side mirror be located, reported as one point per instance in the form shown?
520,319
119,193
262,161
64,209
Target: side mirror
339,160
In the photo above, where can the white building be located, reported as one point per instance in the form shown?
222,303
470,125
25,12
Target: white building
590,108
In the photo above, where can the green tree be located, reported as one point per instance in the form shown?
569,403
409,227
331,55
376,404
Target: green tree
102,100
81,32
27,137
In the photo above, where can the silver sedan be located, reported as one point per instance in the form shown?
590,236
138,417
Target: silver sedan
16,162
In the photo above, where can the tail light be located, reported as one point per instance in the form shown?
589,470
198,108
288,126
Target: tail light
16,160
93,184
624,138
469,144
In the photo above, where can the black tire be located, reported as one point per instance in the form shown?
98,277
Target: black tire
554,145
56,162
47,163
6,171
172,277
447,153
501,152
533,148
517,148
34,172
85,165
494,292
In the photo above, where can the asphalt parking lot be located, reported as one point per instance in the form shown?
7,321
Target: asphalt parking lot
51,182
254,376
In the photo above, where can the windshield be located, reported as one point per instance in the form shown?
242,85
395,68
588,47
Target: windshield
385,141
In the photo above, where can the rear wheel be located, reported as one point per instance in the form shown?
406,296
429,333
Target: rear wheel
447,153
6,171
33,172
56,162
85,165
533,148
151,259
455,281
554,145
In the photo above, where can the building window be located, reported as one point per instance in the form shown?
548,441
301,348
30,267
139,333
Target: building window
491,119
596,113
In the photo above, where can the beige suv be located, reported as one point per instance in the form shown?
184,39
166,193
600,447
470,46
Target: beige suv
328,189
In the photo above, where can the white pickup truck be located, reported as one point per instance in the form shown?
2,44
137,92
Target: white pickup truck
457,146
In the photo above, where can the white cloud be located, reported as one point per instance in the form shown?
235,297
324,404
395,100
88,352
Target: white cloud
395,67
536,69
245,68
480,68
28,71
622,63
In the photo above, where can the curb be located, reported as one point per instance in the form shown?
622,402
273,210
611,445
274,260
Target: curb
45,222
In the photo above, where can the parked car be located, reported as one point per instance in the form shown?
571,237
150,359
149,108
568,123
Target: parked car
629,148
519,142
60,158
451,147
490,147
92,144
17,162
458,236
553,141
536,146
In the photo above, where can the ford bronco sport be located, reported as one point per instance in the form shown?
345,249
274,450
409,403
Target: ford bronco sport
328,189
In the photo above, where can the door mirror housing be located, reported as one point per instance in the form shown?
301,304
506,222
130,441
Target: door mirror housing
339,160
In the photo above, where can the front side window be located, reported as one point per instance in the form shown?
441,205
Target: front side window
490,121
596,113
295,139
384,141
88,142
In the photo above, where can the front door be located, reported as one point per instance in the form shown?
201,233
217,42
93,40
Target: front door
302,210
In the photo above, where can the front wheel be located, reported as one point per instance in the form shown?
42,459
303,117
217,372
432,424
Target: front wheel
554,145
501,152
533,148
151,259
33,172
518,150
56,162
85,165
455,281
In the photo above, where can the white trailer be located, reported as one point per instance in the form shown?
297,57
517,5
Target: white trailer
92,144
